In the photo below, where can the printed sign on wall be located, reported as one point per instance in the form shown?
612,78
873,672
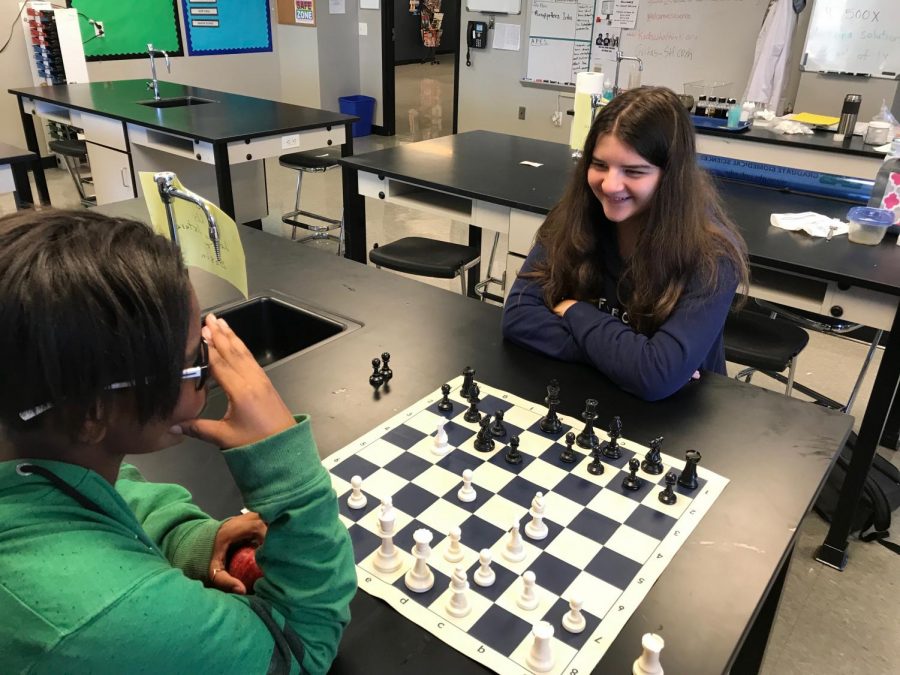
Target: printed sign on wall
227,26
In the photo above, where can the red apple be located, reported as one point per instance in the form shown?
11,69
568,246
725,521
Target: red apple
243,566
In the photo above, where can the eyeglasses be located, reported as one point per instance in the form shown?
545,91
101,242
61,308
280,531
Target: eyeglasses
199,371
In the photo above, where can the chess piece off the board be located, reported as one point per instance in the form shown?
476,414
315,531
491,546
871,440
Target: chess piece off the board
420,578
540,658
376,379
648,662
386,372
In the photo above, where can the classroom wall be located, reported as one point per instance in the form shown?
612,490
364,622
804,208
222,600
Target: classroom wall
338,54
370,82
15,72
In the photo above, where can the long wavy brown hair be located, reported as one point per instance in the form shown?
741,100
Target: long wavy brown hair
687,235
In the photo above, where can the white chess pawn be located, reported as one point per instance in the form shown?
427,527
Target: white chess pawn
466,492
458,604
528,599
648,662
420,578
536,528
356,500
540,658
386,558
514,551
573,620
454,552
484,576
441,445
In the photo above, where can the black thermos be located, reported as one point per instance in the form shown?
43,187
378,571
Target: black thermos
849,113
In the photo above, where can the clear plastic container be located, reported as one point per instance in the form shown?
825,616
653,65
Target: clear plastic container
868,225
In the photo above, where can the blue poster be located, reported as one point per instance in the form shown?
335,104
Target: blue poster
227,26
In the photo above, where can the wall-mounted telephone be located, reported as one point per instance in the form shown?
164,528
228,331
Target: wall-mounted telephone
477,34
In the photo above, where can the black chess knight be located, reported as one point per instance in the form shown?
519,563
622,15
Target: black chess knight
652,462
484,441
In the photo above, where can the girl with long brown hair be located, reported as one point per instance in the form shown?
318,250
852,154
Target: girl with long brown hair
635,269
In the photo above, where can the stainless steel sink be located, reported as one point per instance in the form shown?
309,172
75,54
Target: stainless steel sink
275,328
176,102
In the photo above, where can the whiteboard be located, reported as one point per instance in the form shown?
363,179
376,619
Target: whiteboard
861,37
683,41
495,6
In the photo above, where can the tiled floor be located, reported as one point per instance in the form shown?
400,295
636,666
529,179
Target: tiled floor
829,622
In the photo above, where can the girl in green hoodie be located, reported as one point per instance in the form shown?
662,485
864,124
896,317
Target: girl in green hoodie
102,354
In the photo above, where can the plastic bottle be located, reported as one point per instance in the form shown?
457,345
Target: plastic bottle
734,115
701,105
747,110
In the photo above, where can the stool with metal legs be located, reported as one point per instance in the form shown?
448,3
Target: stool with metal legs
73,152
312,161
481,286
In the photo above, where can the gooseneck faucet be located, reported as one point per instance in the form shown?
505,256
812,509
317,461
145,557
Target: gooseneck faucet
154,83
165,181
620,56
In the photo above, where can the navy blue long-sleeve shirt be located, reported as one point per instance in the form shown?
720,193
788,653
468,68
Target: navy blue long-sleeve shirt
650,367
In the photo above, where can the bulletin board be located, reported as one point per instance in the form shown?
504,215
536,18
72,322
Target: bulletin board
297,12
858,37
227,26
127,29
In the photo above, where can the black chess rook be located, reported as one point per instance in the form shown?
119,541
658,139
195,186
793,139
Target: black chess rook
688,477
468,381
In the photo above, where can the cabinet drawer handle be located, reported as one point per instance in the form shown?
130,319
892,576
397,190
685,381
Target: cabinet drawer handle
125,182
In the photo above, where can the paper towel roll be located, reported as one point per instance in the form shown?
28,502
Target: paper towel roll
586,85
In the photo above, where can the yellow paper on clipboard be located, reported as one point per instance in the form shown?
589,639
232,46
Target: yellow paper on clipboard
193,234
815,120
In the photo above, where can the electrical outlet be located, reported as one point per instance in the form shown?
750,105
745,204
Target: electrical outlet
98,28
521,112
292,141
556,118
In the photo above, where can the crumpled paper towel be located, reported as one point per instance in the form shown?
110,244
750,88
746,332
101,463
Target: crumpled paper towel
814,224
791,127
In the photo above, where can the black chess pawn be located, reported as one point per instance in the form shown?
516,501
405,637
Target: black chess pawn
668,496
484,442
688,477
652,463
445,404
568,455
596,466
551,424
587,438
631,481
497,428
386,372
376,379
611,450
468,381
513,456
473,415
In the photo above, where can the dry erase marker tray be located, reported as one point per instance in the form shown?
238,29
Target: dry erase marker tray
704,122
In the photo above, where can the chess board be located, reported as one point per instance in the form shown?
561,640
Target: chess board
606,544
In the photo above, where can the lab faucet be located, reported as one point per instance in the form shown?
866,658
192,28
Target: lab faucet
167,190
154,84
620,56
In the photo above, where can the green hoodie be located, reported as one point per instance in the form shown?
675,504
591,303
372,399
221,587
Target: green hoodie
121,591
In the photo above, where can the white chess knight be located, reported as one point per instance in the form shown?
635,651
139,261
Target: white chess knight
454,553
540,658
458,604
484,576
356,500
466,492
387,504
648,662
536,528
441,445
420,578
386,559
573,620
528,599
514,551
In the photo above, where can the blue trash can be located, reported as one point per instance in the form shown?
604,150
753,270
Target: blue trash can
361,106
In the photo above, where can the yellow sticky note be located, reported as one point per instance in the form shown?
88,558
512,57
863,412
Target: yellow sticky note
193,234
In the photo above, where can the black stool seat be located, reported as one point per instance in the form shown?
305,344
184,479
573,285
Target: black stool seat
425,257
69,148
762,343
311,160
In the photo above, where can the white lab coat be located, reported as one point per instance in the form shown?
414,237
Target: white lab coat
773,47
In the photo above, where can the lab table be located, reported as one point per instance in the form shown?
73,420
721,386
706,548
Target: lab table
14,165
216,145
715,602
508,184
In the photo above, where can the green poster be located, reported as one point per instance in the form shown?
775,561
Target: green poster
128,27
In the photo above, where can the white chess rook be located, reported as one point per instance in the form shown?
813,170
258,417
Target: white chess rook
441,446
536,528
573,620
356,500
420,578
454,552
528,600
387,560
648,662
484,576
458,604
514,551
540,658
466,492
